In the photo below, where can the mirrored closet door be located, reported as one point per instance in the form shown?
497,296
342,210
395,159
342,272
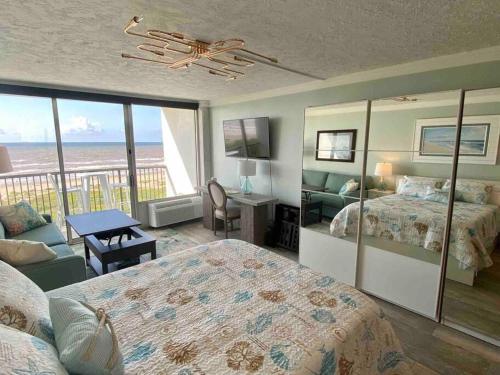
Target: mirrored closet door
471,298
331,184
404,216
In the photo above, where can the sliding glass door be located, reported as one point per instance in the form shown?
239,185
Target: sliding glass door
165,143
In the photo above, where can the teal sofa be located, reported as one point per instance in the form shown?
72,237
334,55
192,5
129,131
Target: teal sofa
331,183
66,269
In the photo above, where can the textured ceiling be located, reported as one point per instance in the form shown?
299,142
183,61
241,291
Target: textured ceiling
78,43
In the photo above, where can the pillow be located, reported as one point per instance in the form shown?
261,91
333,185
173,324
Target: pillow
23,305
75,329
417,186
21,252
436,195
348,187
20,218
470,191
25,354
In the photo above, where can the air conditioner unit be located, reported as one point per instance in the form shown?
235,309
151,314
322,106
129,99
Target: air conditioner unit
175,211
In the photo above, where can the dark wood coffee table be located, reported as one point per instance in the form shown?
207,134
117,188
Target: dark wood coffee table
99,226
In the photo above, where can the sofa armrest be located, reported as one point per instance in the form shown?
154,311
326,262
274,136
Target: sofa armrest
47,218
56,273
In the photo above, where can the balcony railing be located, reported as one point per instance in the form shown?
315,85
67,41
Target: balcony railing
38,190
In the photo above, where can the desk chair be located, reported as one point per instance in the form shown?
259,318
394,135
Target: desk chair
220,210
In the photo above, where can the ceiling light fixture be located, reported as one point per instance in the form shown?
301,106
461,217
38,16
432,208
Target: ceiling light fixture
177,51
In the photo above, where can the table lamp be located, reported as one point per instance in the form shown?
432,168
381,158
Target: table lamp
246,168
383,170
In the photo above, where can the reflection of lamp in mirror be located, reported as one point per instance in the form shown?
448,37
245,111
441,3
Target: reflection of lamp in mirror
383,170
246,168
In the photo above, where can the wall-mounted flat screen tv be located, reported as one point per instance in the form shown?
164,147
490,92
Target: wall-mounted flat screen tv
247,138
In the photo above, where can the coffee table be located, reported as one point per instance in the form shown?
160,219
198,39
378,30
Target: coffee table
99,226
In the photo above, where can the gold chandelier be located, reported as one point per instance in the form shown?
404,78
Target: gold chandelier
177,51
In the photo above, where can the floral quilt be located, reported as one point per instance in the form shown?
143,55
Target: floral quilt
230,307
420,222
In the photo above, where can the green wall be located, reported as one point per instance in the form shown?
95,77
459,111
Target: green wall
286,115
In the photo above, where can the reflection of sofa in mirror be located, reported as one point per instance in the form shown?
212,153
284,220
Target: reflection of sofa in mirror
327,186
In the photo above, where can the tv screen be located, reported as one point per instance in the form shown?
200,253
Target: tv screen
247,138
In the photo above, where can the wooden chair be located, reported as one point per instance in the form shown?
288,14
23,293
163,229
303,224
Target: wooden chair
220,210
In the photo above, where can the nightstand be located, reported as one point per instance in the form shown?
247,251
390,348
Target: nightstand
377,193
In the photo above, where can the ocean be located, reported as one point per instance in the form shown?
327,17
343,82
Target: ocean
42,157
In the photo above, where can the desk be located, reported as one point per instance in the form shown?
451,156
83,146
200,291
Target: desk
253,220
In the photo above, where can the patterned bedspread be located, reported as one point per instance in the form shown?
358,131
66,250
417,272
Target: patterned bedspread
230,307
419,222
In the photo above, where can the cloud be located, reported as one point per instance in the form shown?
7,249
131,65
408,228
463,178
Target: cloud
80,125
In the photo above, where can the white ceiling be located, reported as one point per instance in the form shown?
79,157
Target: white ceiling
78,43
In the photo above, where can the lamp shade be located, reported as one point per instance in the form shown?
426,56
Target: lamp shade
247,167
5,164
383,169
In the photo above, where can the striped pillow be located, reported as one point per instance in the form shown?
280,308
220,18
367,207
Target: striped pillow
83,348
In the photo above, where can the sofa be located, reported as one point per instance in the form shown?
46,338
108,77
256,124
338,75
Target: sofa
66,269
331,183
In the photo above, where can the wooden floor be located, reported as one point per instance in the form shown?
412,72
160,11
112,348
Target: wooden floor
432,347
476,308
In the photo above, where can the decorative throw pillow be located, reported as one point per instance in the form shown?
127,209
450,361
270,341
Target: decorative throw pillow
417,186
23,305
20,218
25,354
85,339
348,187
20,252
470,191
436,195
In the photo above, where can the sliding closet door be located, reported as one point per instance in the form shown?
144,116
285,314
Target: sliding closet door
411,140
331,188
471,300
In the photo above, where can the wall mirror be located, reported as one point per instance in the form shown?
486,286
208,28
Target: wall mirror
331,180
471,300
403,218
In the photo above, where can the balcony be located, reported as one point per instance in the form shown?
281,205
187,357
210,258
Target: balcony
38,190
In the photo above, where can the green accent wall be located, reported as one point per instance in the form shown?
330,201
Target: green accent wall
286,115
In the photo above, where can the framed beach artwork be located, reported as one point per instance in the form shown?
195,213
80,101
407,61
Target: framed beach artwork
434,140
336,145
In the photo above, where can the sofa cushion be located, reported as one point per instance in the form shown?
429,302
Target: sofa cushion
335,181
314,178
23,305
62,250
20,217
20,252
48,234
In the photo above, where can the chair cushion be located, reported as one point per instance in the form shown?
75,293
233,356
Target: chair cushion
48,234
26,354
75,328
20,252
23,305
314,178
232,213
20,217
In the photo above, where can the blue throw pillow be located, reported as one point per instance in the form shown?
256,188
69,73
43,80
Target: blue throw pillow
20,217
85,346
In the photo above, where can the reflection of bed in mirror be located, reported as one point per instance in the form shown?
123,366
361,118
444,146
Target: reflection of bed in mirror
413,226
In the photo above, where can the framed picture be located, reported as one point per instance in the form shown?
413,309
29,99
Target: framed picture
336,145
434,140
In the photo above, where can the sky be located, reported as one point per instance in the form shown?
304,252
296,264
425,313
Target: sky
29,119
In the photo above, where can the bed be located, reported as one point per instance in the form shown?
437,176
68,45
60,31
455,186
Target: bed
231,307
417,222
